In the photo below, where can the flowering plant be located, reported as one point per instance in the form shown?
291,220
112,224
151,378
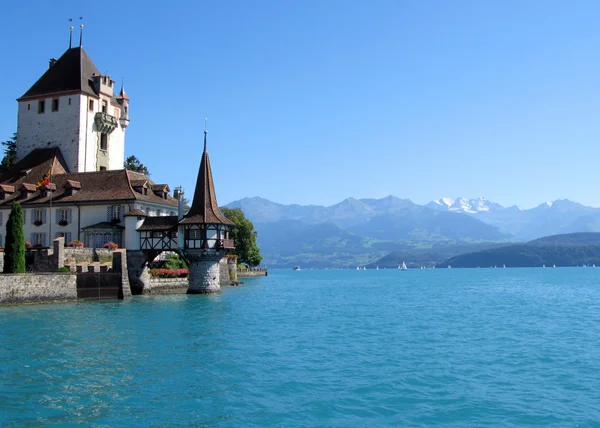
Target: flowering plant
169,273
27,244
111,246
38,222
75,243
63,222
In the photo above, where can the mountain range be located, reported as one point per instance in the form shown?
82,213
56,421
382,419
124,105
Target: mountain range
361,231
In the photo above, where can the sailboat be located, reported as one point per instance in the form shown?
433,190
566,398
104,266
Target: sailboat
503,266
377,268
357,268
553,266
402,266
364,268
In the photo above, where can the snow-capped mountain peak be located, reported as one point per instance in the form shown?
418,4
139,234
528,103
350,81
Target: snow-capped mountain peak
463,205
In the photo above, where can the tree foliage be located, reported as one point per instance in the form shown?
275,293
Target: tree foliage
244,237
10,153
133,164
14,248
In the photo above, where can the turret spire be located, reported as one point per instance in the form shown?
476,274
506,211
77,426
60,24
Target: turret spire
80,35
205,132
70,34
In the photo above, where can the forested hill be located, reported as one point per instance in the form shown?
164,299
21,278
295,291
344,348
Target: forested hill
573,249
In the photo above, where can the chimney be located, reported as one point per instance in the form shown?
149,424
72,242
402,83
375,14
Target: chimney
52,62
178,194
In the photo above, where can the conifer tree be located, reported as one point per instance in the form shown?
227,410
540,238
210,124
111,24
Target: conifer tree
14,248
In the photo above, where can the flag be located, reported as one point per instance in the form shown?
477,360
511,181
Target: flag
44,181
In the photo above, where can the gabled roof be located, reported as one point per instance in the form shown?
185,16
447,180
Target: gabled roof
98,186
166,222
71,73
204,207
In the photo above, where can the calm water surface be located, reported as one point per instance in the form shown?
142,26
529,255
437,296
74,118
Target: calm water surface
460,347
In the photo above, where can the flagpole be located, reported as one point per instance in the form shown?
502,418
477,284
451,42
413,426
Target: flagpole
50,216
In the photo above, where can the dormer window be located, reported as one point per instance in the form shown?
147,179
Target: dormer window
72,187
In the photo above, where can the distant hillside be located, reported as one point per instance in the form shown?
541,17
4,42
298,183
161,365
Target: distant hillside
572,249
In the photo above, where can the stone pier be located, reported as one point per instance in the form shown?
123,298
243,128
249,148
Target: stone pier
203,272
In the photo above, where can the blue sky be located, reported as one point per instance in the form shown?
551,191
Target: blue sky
316,101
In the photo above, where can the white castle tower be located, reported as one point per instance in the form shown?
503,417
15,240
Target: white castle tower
73,107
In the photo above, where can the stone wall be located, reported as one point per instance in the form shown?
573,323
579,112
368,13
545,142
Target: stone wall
37,288
119,266
251,273
204,272
74,255
223,272
168,285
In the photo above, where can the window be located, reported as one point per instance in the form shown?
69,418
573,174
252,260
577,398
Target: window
38,239
195,234
28,106
158,213
91,105
69,101
103,106
41,106
63,216
38,216
55,104
103,141
114,213
102,168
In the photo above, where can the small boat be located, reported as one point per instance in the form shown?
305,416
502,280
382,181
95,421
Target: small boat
402,266
296,267
503,266
377,268
553,266
364,268
543,266
357,268
449,267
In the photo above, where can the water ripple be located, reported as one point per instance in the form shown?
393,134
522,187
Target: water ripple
483,347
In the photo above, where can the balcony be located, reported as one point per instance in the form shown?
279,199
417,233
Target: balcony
225,244
105,123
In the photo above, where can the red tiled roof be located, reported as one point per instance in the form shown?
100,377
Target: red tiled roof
99,186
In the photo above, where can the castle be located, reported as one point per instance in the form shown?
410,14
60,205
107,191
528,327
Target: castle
70,178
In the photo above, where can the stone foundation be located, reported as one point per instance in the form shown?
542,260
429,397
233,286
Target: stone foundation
204,272
168,285
138,274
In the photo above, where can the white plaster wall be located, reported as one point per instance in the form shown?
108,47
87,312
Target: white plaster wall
131,235
50,129
89,138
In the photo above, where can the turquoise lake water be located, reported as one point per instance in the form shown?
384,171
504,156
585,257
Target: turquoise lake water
459,347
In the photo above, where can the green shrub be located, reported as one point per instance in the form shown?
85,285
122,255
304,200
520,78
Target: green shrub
175,262
63,269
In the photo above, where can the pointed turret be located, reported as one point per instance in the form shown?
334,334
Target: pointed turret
123,100
205,209
205,233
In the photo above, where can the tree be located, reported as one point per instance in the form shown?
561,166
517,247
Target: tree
133,164
14,249
244,237
10,154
